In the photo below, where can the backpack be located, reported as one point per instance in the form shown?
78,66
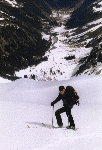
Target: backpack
72,95
70,89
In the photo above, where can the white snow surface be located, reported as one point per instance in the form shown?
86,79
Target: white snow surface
99,9
1,18
25,105
13,3
2,80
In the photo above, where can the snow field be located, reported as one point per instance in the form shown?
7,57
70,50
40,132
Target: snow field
25,105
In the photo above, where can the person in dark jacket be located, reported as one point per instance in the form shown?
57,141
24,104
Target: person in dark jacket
69,98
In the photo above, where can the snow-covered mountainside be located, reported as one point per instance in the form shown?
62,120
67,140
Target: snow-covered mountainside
86,22
71,38
76,48
25,104
21,25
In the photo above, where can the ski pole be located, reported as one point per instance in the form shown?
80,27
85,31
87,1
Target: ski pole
68,120
52,116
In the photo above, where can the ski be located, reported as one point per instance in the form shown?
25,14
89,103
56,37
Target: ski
71,128
67,127
37,125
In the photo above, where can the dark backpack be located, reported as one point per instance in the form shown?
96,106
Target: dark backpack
72,95
70,89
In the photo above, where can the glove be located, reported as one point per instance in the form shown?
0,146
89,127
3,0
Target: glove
52,104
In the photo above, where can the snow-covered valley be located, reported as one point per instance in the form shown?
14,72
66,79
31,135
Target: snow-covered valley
54,44
65,51
25,105
57,67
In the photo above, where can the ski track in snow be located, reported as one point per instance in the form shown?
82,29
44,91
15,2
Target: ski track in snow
25,105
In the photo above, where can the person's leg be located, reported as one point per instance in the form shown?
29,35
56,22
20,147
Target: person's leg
70,117
58,116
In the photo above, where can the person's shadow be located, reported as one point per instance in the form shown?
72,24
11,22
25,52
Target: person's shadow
40,124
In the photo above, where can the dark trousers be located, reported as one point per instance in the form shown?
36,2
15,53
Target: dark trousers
68,113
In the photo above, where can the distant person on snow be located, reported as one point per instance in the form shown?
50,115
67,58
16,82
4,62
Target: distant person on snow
69,98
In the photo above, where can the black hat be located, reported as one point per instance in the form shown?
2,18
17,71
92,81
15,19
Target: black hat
61,88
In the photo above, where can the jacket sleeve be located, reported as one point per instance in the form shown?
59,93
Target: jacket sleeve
56,100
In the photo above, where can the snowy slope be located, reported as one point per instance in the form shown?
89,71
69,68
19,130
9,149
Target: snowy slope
25,105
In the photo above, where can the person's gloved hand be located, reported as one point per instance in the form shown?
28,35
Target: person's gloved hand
52,104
